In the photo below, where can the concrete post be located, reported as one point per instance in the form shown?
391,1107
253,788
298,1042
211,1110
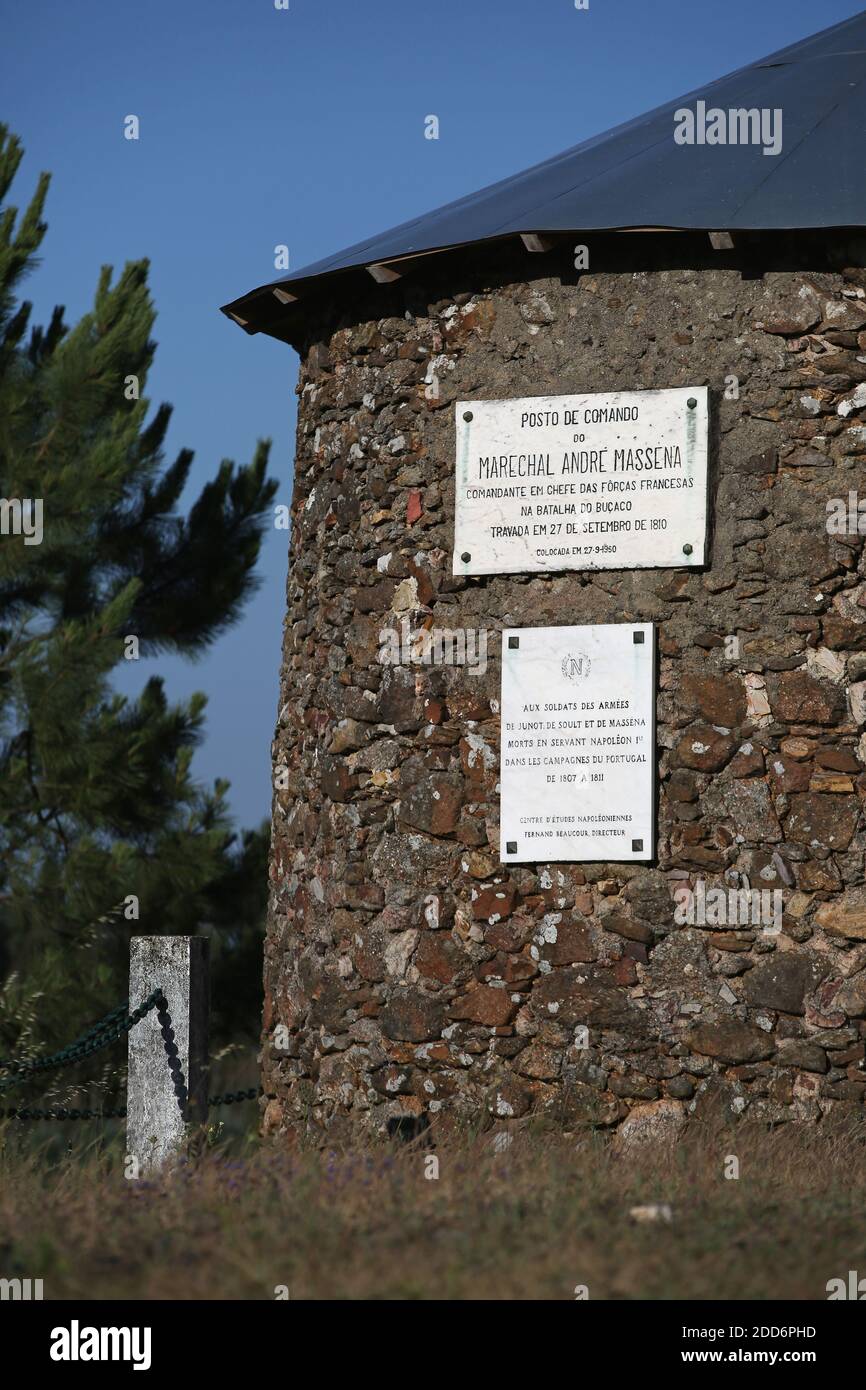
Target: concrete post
156,1128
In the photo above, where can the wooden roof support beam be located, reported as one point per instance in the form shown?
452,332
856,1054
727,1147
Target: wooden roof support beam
722,241
383,274
284,297
534,241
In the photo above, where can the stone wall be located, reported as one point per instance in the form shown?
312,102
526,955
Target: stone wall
412,974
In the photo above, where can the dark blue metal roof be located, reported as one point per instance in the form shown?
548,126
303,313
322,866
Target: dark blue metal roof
638,176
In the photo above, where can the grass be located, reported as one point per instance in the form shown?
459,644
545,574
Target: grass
532,1222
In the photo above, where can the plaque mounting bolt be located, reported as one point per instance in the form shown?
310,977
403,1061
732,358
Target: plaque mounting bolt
513,642
692,403
687,549
466,557
511,847
467,415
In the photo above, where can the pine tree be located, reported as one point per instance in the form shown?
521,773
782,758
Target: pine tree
103,831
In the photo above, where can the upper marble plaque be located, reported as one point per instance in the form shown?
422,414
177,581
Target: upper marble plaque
609,481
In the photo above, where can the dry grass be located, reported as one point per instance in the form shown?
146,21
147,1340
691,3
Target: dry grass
532,1222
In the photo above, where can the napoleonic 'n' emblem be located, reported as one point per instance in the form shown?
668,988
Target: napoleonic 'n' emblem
575,666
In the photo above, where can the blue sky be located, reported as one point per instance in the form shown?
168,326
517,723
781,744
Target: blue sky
306,127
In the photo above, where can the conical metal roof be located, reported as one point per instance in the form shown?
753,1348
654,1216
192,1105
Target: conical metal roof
641,175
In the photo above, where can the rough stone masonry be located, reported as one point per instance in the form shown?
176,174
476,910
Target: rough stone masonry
408,974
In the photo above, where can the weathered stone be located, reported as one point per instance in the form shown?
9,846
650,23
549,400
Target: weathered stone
833,782
845,1090
799,698
749,805
747,761
797,747
348,735
538,1062
625,971
822,1010
705,749
567,940
844,635
376,598
730,1041
479,864
649,895
681,785
681,1087
512,970
717,699
580,1104
845,916
817,876
438,957
391,1080
794,311
788,774
851,998
807,458
781,982
484,1004
817,819
398,953
410,1016
494,902
839,759
658,1123
627,927
433,805
509,935
369,951
509,1099
633,1087
336,779
587,995
857,696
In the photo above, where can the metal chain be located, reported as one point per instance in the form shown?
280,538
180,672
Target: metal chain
100,1035
27,1112
110,1019
61,1112
232,1097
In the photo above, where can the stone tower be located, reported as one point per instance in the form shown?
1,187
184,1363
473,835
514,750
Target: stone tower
410,975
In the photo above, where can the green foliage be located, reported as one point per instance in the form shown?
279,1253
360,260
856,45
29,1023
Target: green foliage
103,830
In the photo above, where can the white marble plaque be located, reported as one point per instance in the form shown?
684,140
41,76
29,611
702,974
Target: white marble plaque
608,481
577,753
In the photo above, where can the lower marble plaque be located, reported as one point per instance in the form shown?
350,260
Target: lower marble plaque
577,767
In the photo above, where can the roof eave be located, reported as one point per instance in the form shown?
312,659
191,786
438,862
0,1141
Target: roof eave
273,308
